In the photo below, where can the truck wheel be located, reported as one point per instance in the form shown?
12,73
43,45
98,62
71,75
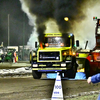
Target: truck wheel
36,74
87,68
74,67
70,73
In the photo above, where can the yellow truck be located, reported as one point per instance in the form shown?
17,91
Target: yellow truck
55,54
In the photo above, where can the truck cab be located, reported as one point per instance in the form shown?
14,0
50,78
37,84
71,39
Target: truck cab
56,53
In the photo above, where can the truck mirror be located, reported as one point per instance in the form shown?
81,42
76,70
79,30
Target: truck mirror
35,44
77,43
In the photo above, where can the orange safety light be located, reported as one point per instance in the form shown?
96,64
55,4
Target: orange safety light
46,44
41,45
65,53
62,44
73,53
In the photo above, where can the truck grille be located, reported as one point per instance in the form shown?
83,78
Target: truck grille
49,56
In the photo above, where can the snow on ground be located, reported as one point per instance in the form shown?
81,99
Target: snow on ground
24,71
14,72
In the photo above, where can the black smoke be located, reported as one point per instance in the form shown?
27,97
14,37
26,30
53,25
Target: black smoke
56,10
43,9
71,9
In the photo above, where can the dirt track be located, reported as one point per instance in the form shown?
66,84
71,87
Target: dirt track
29,89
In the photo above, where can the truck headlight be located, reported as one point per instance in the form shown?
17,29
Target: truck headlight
57,58
35,65
63,64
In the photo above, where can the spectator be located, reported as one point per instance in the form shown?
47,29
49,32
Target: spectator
14,58
94,79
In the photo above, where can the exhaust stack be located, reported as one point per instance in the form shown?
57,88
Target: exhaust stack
86,44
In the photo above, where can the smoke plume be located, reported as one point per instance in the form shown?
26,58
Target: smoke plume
85,30
42,12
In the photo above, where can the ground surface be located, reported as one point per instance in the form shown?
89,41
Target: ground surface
27,88
18,84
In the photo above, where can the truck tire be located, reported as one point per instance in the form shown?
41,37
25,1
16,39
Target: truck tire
87,68
74,67
36,74
70,73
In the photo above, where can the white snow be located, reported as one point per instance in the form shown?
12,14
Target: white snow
17,71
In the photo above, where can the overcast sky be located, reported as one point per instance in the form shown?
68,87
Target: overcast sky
19,29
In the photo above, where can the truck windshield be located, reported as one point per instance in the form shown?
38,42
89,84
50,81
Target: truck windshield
57,42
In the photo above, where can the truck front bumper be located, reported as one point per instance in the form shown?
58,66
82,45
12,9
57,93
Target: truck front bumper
49,69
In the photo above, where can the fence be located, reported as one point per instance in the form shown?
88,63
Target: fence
23,53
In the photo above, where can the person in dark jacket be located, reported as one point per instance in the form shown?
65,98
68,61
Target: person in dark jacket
94,79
